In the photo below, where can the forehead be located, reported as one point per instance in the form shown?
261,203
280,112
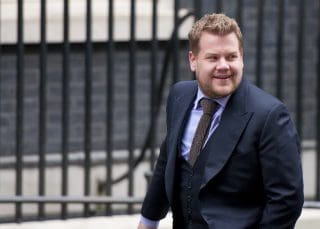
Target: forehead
210,42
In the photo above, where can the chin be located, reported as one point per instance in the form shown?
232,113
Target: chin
222,92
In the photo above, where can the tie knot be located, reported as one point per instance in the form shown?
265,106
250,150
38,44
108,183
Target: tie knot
208,106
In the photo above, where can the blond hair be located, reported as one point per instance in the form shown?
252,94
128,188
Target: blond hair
218,24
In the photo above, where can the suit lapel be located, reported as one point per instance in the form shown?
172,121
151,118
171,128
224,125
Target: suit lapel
223,141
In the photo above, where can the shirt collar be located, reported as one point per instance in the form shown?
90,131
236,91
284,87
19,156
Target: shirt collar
221,101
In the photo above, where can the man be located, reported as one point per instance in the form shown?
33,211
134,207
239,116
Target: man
248,173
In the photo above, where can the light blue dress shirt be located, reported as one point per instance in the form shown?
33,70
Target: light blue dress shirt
194,119
190,130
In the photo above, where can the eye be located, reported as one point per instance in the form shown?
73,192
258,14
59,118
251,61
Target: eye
232,56
212,58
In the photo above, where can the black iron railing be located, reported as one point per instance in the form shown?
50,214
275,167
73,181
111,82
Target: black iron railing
165,67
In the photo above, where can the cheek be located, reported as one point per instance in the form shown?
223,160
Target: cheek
206,68
238,67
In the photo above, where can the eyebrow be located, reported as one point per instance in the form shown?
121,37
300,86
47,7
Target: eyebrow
214,54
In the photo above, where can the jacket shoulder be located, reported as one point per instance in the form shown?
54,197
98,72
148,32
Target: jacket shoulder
182,88
259,99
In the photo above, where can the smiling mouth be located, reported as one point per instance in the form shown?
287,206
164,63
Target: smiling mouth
222,77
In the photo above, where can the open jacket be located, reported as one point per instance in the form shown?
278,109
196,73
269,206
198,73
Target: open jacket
252,177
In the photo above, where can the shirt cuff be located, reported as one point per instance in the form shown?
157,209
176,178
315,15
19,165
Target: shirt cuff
148,222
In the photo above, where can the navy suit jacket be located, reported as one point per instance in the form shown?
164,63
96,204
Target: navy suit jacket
252,177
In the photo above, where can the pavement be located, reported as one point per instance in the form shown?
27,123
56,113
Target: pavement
310,219
110,222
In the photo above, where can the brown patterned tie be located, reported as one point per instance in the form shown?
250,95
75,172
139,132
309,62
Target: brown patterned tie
201,133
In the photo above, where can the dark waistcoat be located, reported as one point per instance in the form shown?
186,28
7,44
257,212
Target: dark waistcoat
186,210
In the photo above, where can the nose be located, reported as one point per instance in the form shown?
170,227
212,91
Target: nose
222,64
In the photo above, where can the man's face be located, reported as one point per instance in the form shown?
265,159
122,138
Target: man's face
218,65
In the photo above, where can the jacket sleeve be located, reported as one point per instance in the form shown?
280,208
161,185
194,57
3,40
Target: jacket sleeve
281,170
155,205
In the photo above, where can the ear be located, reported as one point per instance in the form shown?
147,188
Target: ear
192,61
